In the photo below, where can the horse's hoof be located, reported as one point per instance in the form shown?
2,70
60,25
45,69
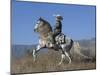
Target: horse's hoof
59,64
69,62
34,60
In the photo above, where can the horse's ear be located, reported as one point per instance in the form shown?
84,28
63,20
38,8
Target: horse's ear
40,18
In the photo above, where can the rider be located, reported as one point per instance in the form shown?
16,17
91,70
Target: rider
58,26
57,30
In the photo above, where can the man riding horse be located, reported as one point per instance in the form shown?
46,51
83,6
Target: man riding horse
57,32
55,39
58,26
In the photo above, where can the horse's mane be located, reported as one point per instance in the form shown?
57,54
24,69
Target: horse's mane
46,22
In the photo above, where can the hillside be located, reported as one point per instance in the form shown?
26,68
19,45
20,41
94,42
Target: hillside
47,59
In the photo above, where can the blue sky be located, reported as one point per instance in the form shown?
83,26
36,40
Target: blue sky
78,22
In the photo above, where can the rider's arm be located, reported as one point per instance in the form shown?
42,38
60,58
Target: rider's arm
57,25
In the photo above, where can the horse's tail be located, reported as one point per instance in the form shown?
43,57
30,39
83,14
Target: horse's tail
77,50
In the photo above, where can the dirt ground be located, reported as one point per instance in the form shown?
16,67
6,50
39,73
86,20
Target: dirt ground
48,63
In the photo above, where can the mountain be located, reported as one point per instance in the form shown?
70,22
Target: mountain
87,45
87,42
20,50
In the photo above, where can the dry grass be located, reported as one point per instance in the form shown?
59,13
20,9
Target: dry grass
48,62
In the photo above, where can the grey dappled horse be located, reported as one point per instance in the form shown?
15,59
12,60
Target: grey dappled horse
44,29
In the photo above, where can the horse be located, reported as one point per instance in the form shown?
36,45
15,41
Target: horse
44,29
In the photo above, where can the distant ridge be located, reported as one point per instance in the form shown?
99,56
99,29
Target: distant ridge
20,50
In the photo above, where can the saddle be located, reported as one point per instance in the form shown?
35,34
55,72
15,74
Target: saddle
60,38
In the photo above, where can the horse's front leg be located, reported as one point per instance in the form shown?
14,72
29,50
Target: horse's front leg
39,46
35,51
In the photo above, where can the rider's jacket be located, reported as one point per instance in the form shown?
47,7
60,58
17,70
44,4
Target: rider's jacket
57,31
58,28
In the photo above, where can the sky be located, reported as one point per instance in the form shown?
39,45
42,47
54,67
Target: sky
78,20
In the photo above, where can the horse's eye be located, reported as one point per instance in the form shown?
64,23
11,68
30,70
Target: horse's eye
37,23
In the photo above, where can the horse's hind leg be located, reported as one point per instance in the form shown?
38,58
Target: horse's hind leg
67,55
62,58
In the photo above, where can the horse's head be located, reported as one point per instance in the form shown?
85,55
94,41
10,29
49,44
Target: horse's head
39,23
42,26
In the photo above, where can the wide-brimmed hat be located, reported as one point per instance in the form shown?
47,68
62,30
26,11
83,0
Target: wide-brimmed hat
59,17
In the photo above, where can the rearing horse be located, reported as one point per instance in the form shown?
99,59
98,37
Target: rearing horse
44,29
